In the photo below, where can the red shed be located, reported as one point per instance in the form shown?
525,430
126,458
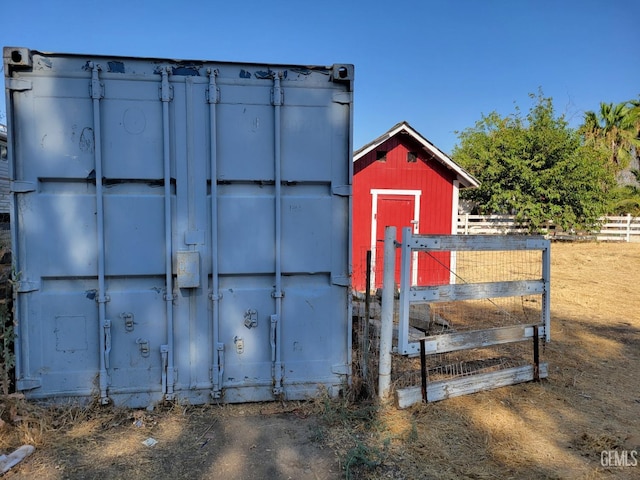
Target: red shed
402,179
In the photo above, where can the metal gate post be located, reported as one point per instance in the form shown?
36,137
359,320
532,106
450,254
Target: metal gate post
406,259
386,328
423,369
367,315
546,295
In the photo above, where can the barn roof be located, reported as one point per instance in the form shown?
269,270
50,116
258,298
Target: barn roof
465,178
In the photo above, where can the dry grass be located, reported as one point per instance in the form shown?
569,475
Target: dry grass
553,429
559,427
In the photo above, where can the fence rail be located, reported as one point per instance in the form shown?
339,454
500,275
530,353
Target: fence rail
624,228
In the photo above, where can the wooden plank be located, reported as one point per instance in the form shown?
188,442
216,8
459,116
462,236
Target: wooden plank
451,342
474,291
442,390
478,242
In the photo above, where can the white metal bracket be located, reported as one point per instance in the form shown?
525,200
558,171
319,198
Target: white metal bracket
18,84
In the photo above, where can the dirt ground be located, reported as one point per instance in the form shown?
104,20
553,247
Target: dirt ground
558,428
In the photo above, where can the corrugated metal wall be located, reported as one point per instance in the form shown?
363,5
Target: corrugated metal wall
181,228
396,173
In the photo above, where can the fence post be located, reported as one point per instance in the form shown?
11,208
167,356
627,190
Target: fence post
367,316
628,227
386,314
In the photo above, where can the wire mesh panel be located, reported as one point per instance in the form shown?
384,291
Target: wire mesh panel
477,331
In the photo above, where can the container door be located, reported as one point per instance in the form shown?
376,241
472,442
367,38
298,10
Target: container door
181,230
283,203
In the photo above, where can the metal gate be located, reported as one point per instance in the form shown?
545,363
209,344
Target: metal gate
180,229
459,329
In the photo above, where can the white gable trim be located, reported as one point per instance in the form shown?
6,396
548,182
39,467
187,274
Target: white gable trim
465,178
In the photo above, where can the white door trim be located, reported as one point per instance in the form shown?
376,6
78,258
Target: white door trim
455,202
375,193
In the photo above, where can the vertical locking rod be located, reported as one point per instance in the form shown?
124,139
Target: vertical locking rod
213,97
165,97
277,364
96,96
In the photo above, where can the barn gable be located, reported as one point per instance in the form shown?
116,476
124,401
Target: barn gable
403,134
402,179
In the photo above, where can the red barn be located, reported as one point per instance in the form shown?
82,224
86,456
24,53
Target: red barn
402,179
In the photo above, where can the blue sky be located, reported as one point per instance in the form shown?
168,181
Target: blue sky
439,65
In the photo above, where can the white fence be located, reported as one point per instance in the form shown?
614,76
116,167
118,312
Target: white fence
623,228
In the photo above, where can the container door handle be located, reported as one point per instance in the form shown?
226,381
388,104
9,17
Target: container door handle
107,342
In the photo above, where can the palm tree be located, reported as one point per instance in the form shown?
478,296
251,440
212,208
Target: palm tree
615,127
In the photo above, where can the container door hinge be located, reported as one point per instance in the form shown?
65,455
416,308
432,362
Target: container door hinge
166,89
18,84
21,186
277,92
25,286
341,369
343,98
96,88
341,190
213,92
341,280
28,384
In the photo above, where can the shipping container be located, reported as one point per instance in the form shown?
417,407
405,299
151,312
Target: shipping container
180,229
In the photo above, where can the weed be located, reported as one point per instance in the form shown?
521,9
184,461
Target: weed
413,433
363,455
318,434
7,355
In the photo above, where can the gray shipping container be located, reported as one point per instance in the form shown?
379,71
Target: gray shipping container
180,229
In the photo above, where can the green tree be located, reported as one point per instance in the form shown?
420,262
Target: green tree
625,199
615,130
535,167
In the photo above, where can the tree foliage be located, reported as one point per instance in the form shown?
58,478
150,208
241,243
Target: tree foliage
615,129
625,199
535,167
